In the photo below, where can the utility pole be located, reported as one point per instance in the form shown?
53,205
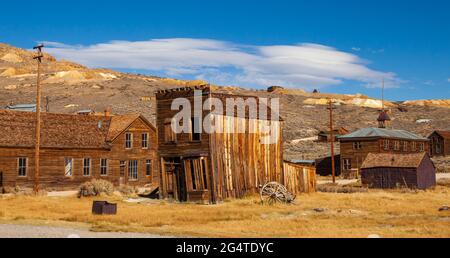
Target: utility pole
38,57
333,168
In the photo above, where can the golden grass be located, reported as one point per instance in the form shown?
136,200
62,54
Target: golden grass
388,214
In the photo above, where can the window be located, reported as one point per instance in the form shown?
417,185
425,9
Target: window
414,146
422,146
148,167
144,139
405,146
169,135
22,167
128,141
133,170
122,168
396,145
357,145
195,129
86,167
438,147
103,167
68,167
347,164
386,144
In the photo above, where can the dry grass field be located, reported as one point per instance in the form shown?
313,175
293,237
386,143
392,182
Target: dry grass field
397,213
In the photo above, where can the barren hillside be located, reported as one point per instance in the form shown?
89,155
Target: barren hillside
71,87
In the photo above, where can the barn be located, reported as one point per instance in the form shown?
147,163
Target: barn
388,170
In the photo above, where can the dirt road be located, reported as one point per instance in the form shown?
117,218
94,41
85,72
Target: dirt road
25,231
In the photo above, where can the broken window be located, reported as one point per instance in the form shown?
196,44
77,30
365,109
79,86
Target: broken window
103,167
128,141
169,135
86,167
68,167
122,165
133,170
414,146
22,167
198,174
195,129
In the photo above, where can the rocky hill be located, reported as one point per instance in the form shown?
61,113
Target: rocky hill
71,87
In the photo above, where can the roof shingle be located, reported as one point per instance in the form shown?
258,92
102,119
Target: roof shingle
382,133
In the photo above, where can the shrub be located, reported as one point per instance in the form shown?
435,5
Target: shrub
127,190
335,188
96,187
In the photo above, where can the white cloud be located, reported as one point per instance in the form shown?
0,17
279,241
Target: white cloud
357,49
219,62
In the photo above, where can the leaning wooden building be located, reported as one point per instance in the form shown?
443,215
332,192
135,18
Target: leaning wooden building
77,148
439,143
210,167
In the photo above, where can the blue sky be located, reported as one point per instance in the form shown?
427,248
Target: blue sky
338,46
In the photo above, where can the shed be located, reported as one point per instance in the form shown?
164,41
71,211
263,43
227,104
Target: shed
387,170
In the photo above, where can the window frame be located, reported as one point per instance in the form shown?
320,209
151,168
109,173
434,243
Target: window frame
146,146
396,145
130,141
104,168
169,135
193,133
148,167
23,167
347,164
89,167
405,146
357,145
386,144
71,167
133,170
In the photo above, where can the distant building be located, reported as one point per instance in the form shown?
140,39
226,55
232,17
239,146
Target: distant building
22,107
439,143
325,136
323,166
388,170
357,145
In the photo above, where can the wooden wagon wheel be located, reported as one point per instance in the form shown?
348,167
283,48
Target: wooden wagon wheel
274,192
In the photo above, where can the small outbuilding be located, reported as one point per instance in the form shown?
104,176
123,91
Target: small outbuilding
387,170
439,143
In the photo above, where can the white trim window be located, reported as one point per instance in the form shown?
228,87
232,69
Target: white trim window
22,167
422,146
386,144
397,145
405,146
128,141
347,163
86,167
132,170
103,167
144,138
68,167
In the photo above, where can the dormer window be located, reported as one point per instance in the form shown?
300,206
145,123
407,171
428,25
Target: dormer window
357,145
128,141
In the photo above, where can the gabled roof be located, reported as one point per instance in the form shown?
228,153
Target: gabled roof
443,134
374,133
17,129
388,160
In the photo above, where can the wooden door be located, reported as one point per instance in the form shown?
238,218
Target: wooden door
1,179
181,183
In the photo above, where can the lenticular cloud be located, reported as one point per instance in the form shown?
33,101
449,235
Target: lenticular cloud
226,63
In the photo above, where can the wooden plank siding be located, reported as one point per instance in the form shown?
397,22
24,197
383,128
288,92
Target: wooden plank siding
299,179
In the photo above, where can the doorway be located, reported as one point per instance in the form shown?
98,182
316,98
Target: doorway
175,179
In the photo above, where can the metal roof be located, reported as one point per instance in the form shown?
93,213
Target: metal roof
382,133
23,107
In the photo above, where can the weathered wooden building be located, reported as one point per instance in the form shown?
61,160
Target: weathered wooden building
325,136
210,167
77,148
299,178
323,166
355,147
439,143
387,170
